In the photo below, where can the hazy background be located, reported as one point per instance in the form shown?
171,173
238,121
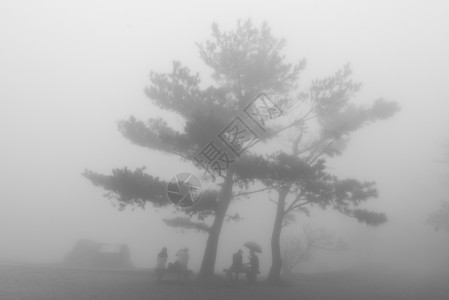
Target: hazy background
69,70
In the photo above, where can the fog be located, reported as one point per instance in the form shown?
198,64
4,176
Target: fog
69,70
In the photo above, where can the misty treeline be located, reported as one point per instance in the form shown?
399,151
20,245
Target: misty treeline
316,124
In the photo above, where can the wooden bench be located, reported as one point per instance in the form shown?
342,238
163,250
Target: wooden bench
229,272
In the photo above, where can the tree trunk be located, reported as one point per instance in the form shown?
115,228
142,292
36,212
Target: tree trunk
210,253
274,275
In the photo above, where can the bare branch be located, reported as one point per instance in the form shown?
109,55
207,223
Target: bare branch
274,201
298,198
297,206
256,191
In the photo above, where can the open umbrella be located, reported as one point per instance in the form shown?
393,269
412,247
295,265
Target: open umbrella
254,246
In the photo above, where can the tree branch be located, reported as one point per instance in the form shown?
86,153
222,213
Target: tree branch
313,159
186,223
293,207
256,191
338,208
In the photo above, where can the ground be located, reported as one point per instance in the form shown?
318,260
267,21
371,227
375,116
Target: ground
52,282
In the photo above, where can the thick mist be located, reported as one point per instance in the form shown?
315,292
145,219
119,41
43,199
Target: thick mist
71,69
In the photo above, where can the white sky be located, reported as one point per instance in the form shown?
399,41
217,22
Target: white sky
69,70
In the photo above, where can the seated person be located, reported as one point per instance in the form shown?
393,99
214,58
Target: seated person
183,258
237,259
182,261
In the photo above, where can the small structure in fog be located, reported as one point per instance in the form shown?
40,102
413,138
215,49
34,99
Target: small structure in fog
90,254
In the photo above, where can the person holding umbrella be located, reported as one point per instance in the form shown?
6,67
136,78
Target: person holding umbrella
253,261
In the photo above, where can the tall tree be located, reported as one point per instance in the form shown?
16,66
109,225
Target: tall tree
330,119
245,61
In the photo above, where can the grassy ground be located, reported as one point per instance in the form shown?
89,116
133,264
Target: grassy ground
43,282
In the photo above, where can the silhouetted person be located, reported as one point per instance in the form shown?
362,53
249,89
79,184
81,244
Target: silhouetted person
237,260
253,266
161,260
